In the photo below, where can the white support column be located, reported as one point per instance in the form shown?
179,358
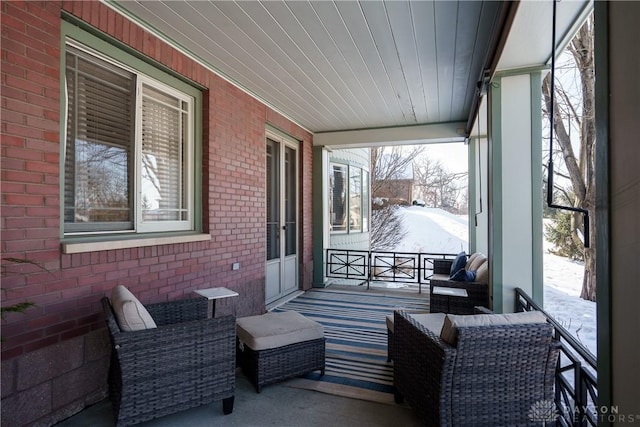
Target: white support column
320,214
478,196
479,184
515,198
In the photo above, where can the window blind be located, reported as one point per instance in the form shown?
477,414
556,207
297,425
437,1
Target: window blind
163,156
98,155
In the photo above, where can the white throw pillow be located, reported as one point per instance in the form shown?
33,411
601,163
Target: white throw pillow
452,322
130,313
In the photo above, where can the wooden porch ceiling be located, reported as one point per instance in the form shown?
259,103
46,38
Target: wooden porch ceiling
349,65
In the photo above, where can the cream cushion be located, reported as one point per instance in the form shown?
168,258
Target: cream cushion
130,313
472,257
431,321
478,260
274,330
452,322
482,274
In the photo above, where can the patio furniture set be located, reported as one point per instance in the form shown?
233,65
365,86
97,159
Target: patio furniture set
484,369
173,356
462,365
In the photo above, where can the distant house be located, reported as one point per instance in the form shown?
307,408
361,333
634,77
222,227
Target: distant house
398,189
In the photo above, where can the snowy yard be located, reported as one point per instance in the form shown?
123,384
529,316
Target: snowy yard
433,230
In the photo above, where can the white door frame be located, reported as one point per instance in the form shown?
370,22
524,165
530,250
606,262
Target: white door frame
281,273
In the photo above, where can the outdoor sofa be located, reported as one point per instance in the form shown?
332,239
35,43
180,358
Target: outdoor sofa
468,273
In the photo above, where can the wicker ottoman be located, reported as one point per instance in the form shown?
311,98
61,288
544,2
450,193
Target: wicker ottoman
276,346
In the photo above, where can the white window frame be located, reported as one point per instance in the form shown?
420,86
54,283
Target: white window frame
139,225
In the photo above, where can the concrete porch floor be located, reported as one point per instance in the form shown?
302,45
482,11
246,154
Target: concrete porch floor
277,405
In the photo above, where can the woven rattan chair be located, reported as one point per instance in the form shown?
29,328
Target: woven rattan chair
493,376
187,361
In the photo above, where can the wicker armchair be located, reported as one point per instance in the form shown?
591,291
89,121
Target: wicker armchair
187,361
492,376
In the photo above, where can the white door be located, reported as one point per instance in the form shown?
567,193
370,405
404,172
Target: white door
282,218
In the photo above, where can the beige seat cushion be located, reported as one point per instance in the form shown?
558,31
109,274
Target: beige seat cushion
130,313
452,322
431,321
439,277
273,330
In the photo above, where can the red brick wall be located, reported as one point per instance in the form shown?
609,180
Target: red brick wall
67,294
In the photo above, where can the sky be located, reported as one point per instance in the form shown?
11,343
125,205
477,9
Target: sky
452,155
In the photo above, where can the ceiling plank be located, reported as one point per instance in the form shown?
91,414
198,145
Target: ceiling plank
375,14
446,14
403,32
424,23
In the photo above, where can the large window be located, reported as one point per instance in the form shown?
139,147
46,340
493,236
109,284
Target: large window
129,149
348,198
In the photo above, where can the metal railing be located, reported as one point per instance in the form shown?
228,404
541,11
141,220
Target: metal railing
382,266
576,387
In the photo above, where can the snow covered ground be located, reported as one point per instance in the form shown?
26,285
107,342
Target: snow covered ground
433,230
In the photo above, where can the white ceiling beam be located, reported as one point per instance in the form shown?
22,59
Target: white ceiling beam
401,135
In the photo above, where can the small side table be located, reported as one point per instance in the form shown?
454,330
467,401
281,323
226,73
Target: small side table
214,294
441,299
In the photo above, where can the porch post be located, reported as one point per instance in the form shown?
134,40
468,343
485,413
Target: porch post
320,214
515,187
479,184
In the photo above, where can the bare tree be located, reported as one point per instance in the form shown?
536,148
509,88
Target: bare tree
390,163
387,230
387,163
574,109
439,187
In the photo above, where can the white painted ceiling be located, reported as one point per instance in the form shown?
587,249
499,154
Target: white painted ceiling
347,65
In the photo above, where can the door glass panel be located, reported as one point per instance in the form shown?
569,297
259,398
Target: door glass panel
273,199
290,201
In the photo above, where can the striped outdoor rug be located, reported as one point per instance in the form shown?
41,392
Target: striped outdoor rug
356,341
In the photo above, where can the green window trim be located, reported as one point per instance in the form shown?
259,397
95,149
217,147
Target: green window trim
117,51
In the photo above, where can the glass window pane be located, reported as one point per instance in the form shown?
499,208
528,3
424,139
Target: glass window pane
100,129
355,199
338,197
164,135
273,199
291,202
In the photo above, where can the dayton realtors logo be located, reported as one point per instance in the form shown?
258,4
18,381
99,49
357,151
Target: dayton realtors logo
545,411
